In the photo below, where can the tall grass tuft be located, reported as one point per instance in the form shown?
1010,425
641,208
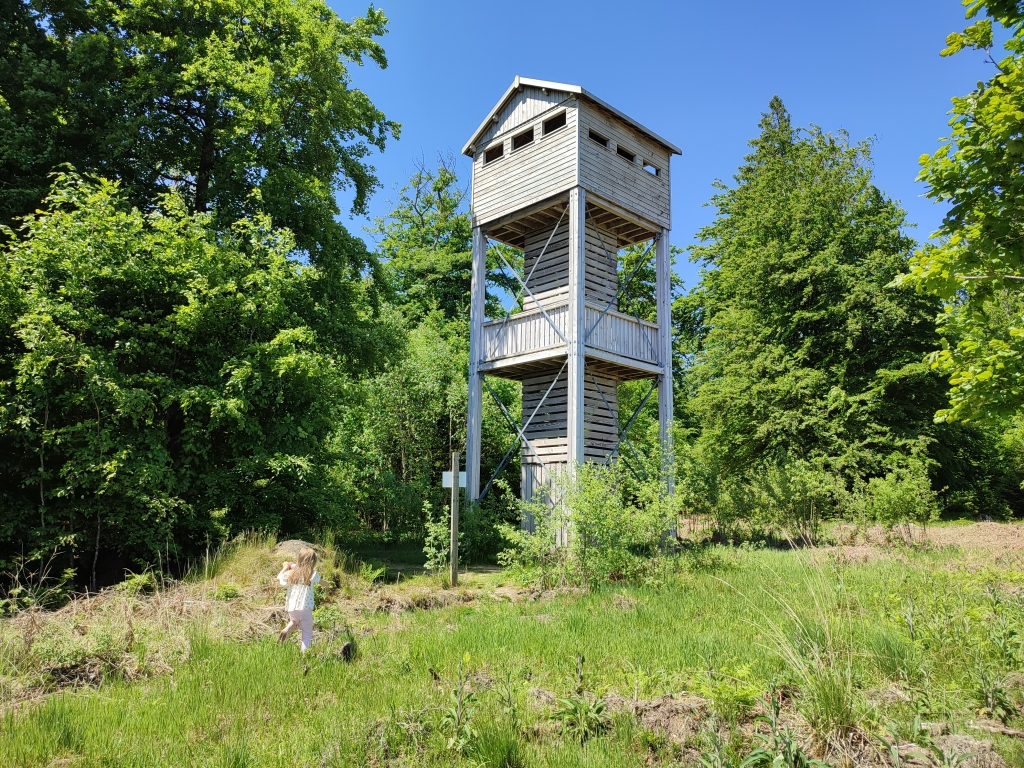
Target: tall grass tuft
816,642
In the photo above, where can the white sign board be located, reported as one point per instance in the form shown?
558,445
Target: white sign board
446,479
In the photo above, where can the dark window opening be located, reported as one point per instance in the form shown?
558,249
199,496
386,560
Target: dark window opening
652,169
594,136
494,153
626,154
554,123
522,139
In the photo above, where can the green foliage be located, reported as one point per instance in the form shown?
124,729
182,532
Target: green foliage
498,747
213,99
779,748
162,382
976,266
902,496
456,720
437,539
615,526
227,592
731,691
800,356
426,245
145,583
581,716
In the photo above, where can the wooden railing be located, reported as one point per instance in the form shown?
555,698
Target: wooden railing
621,334
529,332
525,332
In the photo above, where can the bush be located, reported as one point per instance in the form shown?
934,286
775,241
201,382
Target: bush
902,497
612,527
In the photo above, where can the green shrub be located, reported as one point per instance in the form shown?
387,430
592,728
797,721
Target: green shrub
581,716
730,690
437,538
227,592
902,497
612,528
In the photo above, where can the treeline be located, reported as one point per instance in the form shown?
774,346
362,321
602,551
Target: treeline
195,346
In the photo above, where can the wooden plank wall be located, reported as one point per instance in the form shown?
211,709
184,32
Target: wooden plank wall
533,173
548,430
600,431
622,335
602,283
529,103
523,333
548,279
605,173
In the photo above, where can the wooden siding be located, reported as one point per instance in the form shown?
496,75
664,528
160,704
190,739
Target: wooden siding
601,417
548,279
524,332
530,331
536,172
621,335
602,283
606,174
528,103
548,429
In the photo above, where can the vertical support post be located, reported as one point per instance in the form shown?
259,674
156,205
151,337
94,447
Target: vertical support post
575,413
475,415
663,290
453,558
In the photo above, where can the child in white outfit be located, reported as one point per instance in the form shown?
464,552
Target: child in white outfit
299,577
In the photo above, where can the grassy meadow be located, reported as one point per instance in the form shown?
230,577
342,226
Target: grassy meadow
877,654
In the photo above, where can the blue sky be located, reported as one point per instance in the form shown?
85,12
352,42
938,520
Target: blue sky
698,73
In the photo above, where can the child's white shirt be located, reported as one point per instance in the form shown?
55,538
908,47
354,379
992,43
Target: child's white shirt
300,596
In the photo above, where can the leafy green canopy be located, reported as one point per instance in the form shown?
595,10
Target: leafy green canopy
213,98
396,435
977,265
795,348
160,380
426,244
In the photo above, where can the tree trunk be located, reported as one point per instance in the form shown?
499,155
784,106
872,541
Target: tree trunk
205,172
96,553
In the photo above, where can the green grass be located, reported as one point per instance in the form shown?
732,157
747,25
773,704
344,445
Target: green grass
723,634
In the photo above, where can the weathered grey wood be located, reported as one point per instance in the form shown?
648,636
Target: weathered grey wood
453,555
474,416
577,320
663,268
603,171
569,325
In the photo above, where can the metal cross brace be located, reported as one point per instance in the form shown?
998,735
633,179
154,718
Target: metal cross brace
644,260
527,290
520,431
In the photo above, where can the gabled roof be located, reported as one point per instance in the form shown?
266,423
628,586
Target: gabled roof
581,92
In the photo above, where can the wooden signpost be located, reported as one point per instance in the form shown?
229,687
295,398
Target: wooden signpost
447,481
454,557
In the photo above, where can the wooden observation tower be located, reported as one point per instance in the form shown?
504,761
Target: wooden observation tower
569,180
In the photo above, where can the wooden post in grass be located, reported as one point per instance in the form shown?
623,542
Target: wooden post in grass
453,558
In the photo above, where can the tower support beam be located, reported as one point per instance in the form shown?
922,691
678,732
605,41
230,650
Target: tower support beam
475,414
663,290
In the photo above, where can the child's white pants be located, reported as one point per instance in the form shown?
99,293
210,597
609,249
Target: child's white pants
303,620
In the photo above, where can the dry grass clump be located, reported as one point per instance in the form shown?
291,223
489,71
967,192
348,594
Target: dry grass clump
142,627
